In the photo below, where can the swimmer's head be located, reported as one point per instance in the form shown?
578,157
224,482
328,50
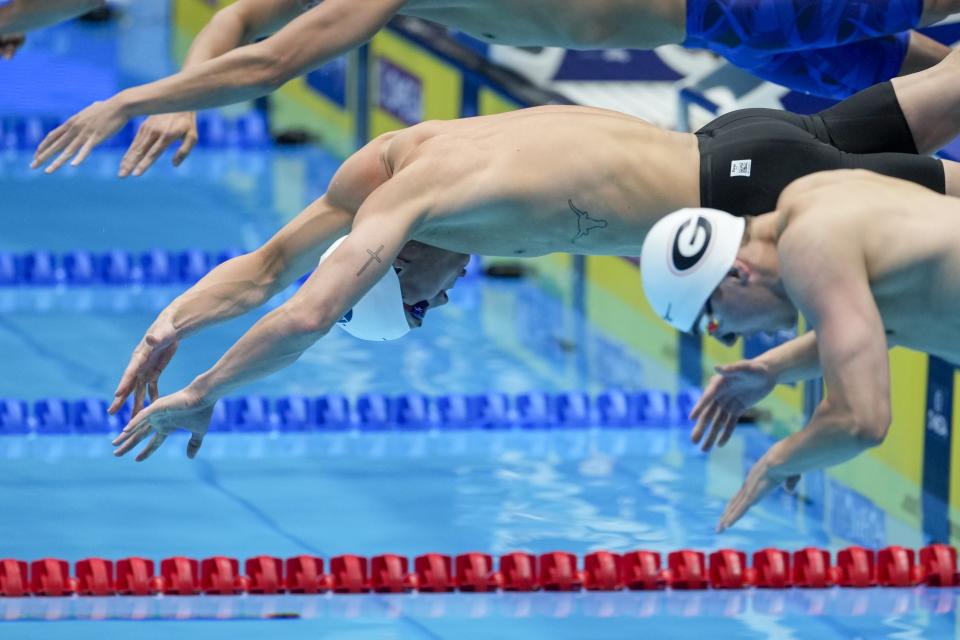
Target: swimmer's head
426,273
684,257
399,301
698,276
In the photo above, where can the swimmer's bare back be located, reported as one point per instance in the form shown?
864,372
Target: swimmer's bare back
562,23
530,182
909,241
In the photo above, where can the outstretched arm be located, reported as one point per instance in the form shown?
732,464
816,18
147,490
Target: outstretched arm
235,25
231,289
324,32
852,346
388,218
25,15
247,281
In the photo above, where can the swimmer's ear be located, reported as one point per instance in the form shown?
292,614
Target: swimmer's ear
740,271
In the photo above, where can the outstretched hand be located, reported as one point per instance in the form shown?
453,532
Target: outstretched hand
148,361
761,480
181,410
77,137
734,389
10,43
154,136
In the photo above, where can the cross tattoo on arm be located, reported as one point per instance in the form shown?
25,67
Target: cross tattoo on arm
374,255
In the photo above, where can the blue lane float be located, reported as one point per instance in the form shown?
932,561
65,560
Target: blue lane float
115,268
248,131
377,412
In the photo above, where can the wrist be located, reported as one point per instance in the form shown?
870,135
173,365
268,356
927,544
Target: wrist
778,460
171,325
202,390
770,366
125,103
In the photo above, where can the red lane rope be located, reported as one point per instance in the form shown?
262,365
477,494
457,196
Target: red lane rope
935,565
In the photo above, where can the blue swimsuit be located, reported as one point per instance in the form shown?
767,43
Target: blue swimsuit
828,47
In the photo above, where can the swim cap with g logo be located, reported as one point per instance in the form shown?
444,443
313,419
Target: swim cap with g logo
684,257
691,242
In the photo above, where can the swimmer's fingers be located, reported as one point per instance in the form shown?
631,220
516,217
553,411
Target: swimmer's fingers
68,153
131,442
757,485
127,381
729,428
61,138
154,390
154,152
193,446
707,417
84,152
136,425
131,436
144,140
709,394
139,394
189,142
720,418
155,442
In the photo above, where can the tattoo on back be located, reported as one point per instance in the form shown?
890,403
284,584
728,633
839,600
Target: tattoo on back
585,224
374,255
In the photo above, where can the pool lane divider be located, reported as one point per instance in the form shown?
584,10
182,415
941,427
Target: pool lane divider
248,131
686,569
613,408
115,268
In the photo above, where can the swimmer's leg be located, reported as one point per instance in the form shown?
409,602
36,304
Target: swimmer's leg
930,101
754,27
923,52
951,178
836,72
923,170
918,113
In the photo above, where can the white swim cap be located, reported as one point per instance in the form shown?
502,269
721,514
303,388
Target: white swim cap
684,258
379,314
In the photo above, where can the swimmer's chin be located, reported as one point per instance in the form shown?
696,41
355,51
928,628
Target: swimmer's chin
413,321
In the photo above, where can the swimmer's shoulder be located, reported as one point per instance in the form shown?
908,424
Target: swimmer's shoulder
838,194
821,206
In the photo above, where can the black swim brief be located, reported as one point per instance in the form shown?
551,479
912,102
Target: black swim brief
748,157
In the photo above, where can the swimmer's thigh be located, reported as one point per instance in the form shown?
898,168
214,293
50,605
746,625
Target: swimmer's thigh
923,170
870,121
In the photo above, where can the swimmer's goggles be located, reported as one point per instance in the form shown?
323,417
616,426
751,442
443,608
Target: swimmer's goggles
419,310
707,325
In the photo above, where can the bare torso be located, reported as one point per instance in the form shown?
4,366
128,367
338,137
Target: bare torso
575,24
910,240
544,180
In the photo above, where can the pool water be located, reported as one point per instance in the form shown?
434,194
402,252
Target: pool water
410,493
